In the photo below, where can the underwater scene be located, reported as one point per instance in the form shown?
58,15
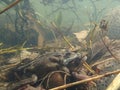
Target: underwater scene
59,44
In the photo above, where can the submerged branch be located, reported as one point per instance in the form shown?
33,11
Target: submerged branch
10,6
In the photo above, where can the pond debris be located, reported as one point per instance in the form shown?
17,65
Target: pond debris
64,65
53,61
85,80
16,85
66,40
10,6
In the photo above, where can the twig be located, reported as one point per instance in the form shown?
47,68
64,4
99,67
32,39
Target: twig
108,48
10,6
85,80
101,62
104,27
65,79
88,67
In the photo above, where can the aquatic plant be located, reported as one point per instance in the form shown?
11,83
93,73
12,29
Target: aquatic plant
58,21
